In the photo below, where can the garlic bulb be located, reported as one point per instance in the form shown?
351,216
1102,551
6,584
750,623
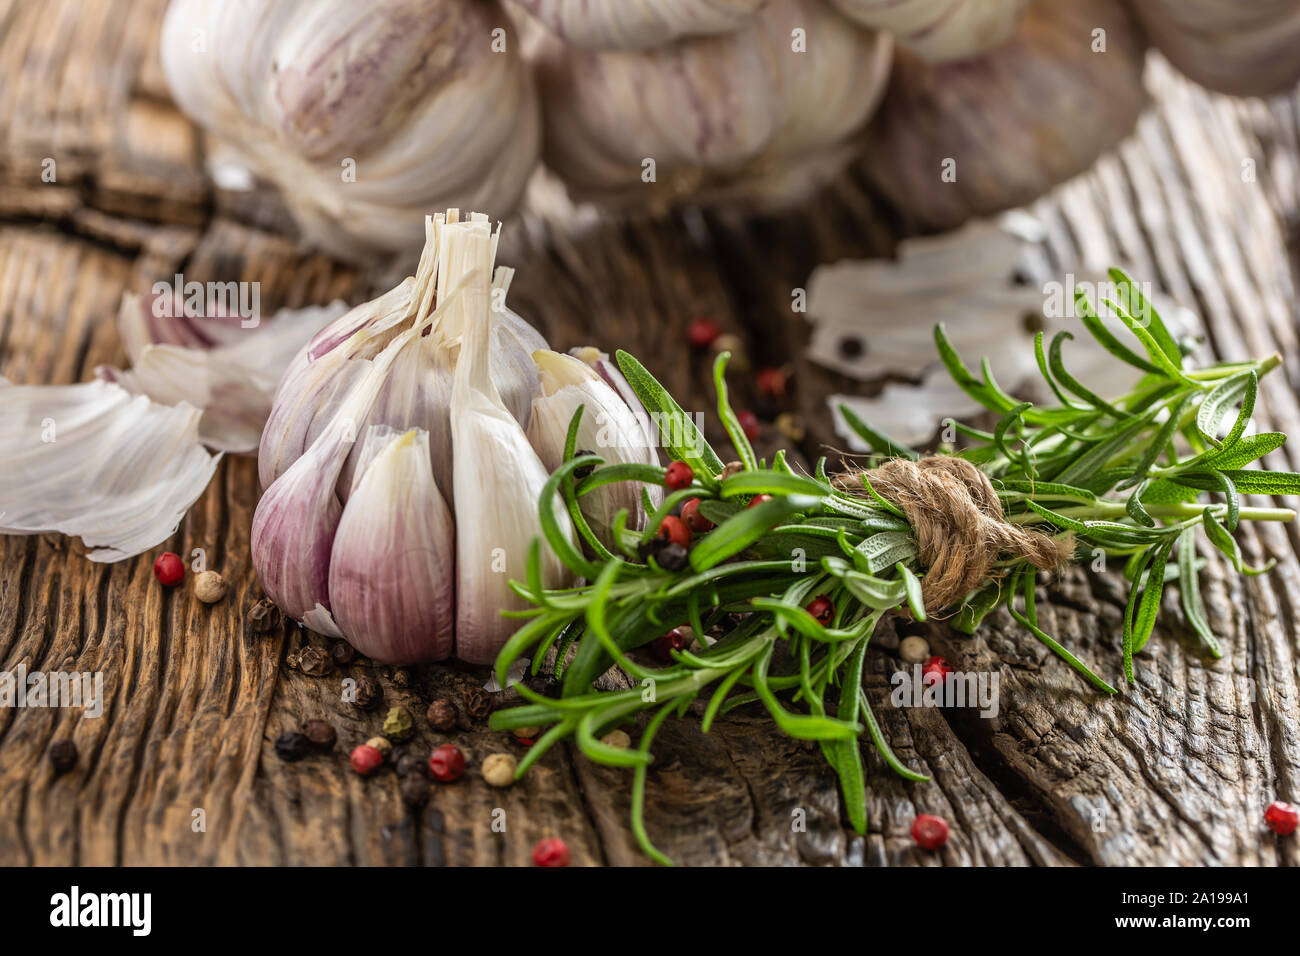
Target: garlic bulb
357,536
364,115
939,30
951,142
763,114
638,24
1242,48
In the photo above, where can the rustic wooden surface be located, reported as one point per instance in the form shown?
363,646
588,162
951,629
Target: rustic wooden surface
1175,770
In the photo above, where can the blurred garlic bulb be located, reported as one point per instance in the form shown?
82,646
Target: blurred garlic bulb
955,141
638,24
764,114
364,115
1243,48
939,30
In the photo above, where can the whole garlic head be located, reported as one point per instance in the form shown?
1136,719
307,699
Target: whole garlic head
955,141
763,114
939,30
364,114
638,24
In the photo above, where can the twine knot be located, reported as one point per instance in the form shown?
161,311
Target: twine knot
957,522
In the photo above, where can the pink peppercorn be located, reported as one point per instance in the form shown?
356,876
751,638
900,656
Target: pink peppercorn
701,332
366,759
935,671
1281,817
446,763
551,852
930,832
169,569
678,475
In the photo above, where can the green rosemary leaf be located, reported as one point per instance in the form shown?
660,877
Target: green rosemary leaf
1245,451
876,593
962,376
638,788
882,745
912,585
621,471
1087,464
885,549
877,442
1171,367
1214,481
1013,417
1149,605
1048,490
1189,591
976,607
1134,506
1160,443
1264,482
769,483
728,417
1074,385
686,442
1045,370
1216,405
1060,651
1136,304
1222,539
741,530
551,530
1093,323
800,726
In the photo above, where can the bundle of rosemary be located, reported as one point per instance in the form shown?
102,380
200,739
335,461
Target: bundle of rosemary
968,530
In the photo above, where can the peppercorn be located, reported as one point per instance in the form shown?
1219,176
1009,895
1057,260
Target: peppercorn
749,425
736,346
822,609
382,744
341,653
582,471
692,518
1281,817
291,746
499,770
398,724
314,662
63,755
757,500
671,556
320,734
441,714
930,832
678,475
701,332
662,647
791,427
551,852
731,468
672,529
414,790
526,733
935,671
913,649
169,569
264,617
409,763
446,763
365,759
617,738
771,382
367,694
478,703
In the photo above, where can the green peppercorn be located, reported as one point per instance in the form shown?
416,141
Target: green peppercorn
398,724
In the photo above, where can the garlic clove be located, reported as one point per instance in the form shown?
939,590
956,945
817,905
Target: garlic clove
939,30
391,571
608,428
639,24
92,460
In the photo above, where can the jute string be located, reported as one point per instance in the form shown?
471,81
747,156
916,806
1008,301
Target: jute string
957,522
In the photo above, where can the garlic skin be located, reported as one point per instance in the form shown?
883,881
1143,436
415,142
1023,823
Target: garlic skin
365,115
638,24
740,116
940,30
1011,124
608,428
1244,49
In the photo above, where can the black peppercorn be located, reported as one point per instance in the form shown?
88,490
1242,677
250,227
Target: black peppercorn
341,653
264,617
291,746
478,703
314,662
414,789
671,557
409,763
582,471
441,714
369,695
319,734
63,755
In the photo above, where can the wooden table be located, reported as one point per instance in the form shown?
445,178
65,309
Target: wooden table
1174,770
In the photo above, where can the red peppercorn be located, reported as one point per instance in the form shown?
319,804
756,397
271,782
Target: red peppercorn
169,569
758,500
822,609
551,852
366,759
701,332
662,647
692,518
749,425
935,670
678,475
446,763
674,530
771,382
930,832
1281,817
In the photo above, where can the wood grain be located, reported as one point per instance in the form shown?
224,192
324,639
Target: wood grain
1174,770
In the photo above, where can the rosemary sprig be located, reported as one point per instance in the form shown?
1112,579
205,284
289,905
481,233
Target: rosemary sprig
1125,477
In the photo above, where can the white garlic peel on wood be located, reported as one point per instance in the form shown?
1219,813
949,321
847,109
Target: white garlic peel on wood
363,114
764,114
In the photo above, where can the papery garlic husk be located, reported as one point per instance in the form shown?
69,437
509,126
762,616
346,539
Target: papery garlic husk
498,477
638,24
951,142
736,117
608,428
92,460
1242,48
940,30
364,114
392,563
